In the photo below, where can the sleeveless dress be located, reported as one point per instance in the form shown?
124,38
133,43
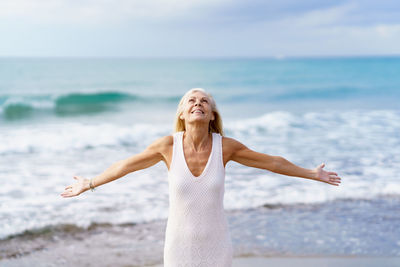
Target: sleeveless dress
197,233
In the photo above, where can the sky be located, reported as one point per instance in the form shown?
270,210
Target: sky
199,28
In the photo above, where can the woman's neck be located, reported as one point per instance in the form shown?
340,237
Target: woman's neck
197,136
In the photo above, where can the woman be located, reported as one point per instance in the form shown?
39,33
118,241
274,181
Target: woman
196,155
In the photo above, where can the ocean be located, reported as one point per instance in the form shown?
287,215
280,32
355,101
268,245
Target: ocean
62,117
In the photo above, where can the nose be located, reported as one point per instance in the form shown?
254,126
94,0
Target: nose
197,103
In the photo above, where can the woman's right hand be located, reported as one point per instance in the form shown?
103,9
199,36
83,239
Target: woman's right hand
80,186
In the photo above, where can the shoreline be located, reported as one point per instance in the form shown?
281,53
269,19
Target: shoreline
241,261
306,261
314,231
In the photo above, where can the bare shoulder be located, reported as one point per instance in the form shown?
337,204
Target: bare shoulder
164,146
230,147
231,144
165,140
162,143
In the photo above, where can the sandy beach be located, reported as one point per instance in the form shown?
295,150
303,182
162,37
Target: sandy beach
142,245
317,261
237,262
85,254
313,261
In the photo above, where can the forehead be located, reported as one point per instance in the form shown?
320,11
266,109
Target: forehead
197,94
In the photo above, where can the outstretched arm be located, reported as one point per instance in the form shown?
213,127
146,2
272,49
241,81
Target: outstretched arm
236,151
149,157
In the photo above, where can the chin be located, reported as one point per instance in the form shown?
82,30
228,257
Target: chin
200,119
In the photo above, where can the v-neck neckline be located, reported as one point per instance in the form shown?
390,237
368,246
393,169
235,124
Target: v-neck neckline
208,161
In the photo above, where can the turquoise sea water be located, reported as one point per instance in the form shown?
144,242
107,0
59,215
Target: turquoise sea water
65,117
63,87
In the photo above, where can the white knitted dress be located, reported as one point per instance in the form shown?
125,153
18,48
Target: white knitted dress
197,231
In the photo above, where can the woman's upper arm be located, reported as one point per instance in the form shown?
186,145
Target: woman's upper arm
154,153
236,151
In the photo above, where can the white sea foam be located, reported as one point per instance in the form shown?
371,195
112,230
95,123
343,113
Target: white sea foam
74,136
38,161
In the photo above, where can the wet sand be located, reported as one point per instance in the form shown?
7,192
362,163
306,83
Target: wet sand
262,244
317,261
133,246
99,260
314,261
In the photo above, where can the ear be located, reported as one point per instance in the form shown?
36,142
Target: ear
213,116
181,117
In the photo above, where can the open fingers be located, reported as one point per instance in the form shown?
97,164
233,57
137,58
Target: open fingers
67,193
334,180
334,183
68,189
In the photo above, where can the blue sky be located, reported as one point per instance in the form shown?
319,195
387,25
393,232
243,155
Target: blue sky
198,28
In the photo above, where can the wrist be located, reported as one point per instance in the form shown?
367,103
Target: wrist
92,185
313,174
86,184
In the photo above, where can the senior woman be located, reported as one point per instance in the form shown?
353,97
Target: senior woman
196,154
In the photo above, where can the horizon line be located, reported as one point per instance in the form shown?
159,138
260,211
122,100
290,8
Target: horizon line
277,57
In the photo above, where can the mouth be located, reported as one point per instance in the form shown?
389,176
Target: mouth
197,111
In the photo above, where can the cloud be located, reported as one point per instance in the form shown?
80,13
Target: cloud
196,12
103,10
388,31
253,11
198,27
319,32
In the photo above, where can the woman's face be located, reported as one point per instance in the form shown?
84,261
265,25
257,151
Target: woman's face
197,108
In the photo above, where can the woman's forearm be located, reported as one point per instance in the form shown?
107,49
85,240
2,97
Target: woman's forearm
285,167
115,171
150,156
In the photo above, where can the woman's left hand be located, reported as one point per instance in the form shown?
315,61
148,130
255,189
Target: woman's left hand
326,177
81,185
